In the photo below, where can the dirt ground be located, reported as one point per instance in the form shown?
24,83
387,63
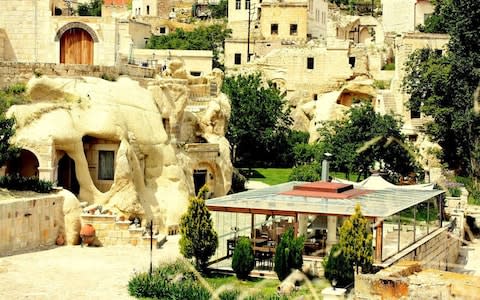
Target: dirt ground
73,272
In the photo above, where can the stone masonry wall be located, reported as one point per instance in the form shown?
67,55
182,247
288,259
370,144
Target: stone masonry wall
12,72
31,223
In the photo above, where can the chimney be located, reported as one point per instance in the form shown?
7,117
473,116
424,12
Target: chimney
325,166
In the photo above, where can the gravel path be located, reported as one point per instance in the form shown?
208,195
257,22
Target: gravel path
73,272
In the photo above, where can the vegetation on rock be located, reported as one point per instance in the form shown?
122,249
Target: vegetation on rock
92,8
288,254
198,237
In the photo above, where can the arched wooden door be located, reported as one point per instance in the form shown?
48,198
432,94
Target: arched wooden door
76,47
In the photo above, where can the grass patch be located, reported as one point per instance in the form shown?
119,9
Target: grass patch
263,288
274,176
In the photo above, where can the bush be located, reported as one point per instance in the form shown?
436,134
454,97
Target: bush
168,281
310,172
198,237
337,267
389,67
454,192
19,183
238,181
243,260
288,254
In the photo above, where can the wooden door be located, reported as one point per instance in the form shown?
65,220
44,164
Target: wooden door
76,47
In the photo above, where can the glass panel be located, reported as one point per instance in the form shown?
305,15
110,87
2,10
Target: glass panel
105,165
434,215
390,236
421,220
407,227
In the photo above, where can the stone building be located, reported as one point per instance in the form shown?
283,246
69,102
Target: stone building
259,27
405,15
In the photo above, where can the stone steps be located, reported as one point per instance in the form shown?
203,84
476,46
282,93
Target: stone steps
111,232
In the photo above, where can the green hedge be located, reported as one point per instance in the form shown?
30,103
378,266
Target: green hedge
19,183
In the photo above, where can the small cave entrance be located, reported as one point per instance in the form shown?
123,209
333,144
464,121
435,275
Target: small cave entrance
66,175
199,179
25,165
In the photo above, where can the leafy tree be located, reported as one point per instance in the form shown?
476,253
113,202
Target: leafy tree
9,96
436,22
243,260
337,267
201,38
92,8
288,254
219,10
259,122
308,172
363,138
443,86
198,237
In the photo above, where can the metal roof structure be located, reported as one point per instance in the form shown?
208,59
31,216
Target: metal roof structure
270,200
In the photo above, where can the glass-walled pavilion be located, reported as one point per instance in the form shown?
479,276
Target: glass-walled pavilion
399,217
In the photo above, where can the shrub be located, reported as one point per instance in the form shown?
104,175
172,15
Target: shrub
310,172
198,237
337,267
288,254
168,281
454,192
389,67
238,181
243,260
19,183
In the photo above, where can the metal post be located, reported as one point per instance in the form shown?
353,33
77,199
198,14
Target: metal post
248,36
151,247
414,223
399,228
428,216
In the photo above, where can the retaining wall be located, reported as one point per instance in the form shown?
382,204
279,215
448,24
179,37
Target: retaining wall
30,223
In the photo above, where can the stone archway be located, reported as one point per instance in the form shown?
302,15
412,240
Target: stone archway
26,164
76,43
364,35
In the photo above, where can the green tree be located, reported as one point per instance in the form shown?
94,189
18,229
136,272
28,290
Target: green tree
435,23
243,260
336,267
201,38
198,237
92,8
308,172
355,241
11,95
288,254
363,138
258,130
443,86
219,10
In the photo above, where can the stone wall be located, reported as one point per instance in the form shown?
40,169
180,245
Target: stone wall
12,72
30,223
110,231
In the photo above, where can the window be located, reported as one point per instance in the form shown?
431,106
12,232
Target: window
106,161
351,61
310,63
238,4
163,30
195,73
238,58
315,97
148,9
293,29
438,52
415,110
274,29
247,4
